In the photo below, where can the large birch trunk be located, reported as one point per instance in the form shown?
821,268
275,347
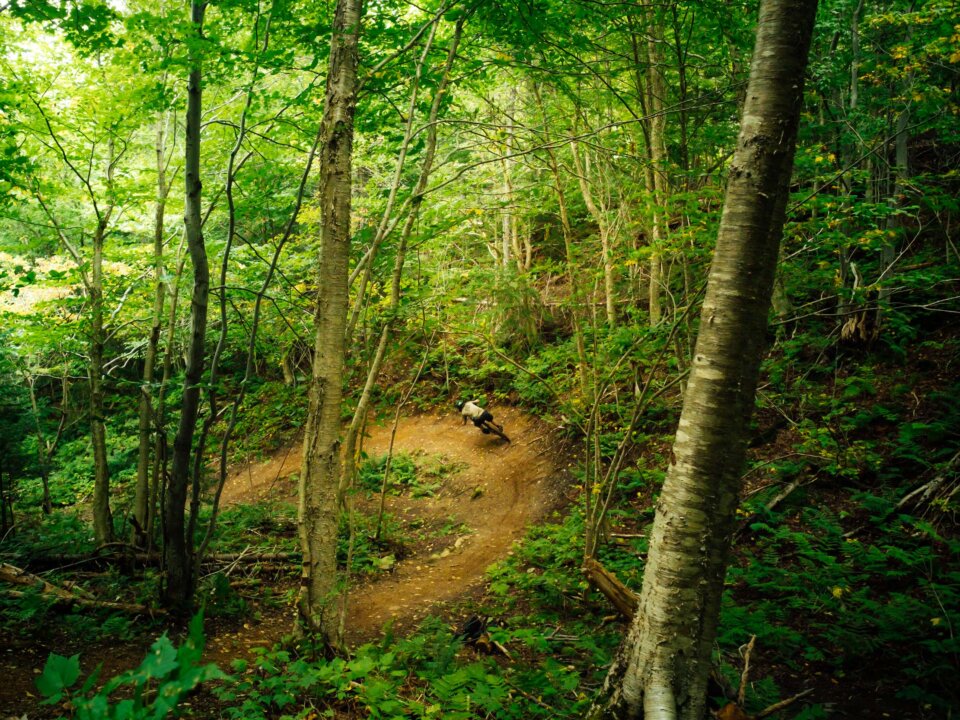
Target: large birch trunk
178,546
661,669
320,476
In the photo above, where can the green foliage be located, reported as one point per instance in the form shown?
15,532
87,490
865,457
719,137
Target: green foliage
272,413
546,566
403,471
520,312
869,238
370,556
164,678
428,675
16,419
819,596
259,526
220,597
21,616
420,474
47,536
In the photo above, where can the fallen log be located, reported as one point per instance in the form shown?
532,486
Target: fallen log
61,596
70,601
97,559
622,597
16,576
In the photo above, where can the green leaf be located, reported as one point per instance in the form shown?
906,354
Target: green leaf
91,680
191,650
361,667
58,675
159,662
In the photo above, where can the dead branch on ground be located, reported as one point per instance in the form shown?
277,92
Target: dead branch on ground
63,597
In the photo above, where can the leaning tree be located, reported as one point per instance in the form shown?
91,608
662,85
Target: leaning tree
662,667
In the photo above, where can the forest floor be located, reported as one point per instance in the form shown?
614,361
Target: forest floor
495,490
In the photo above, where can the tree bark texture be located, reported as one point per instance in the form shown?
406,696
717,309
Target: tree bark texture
661,669
160,440
320,475
178,547
656,91
141,502
102,518
619,595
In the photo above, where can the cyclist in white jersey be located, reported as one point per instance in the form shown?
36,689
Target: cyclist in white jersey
472,411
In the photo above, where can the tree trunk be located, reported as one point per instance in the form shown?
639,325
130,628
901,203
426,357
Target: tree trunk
656,91
426,168
102,519
509,222
160,439
178,548
583,371
320,476
605,227
46,448
895,222
141,501
849,154
93,286
661,669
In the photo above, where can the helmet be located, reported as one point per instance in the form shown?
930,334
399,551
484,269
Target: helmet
459,404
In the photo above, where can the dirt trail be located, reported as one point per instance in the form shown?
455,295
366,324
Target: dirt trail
502,488
470,522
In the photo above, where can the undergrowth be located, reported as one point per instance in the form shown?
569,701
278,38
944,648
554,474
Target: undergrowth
427,675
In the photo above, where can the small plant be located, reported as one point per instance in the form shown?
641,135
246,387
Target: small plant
220,596
428,675
263,524
166,675
421,474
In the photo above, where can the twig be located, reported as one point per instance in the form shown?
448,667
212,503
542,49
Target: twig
744,676
782,705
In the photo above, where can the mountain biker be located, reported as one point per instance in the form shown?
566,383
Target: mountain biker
471,410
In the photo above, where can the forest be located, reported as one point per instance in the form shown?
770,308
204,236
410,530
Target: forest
474,359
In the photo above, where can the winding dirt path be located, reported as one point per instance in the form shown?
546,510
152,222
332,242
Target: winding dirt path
471,521
502,489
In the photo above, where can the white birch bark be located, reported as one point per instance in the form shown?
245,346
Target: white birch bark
662,667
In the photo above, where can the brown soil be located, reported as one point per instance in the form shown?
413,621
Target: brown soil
471,521
502,488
